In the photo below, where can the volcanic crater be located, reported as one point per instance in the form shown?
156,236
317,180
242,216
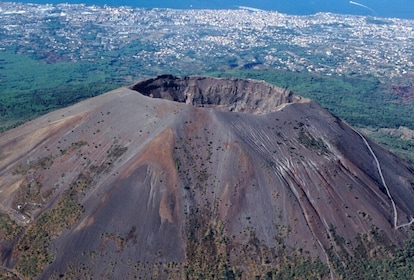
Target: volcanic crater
233,95
236,178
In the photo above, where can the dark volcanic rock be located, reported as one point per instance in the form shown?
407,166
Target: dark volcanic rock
234,95
249,180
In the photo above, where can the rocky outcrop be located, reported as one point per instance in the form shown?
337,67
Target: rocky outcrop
233,95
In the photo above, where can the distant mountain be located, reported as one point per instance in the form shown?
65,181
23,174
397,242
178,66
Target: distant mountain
381,8
200,178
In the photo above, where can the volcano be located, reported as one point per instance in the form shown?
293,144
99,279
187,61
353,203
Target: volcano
197,178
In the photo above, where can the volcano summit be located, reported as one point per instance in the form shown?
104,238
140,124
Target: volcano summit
194,178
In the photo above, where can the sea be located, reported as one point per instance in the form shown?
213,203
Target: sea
377,8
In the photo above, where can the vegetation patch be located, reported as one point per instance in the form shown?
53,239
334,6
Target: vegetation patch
404,147
44,163
74,146
29,196
34,245
119,241
9,229
116,151
373,257
207,255
7,275
212,254
318,146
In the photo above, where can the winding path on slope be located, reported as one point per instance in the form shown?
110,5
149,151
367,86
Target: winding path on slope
394,207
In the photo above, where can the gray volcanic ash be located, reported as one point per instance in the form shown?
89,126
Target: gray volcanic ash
196,177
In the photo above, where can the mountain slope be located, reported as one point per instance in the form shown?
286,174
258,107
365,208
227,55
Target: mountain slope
196,177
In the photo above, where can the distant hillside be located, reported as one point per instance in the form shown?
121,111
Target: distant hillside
201,178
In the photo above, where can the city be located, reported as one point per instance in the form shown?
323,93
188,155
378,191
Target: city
198,41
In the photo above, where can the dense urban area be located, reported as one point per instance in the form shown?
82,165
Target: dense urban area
196,41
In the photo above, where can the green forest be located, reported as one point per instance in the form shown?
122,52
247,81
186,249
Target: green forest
30,87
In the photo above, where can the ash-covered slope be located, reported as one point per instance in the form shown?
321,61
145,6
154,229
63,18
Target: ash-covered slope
208,178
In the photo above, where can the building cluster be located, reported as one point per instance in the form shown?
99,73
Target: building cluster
202,40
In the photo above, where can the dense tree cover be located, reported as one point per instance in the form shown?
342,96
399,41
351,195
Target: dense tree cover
401,146
29,88
373,257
